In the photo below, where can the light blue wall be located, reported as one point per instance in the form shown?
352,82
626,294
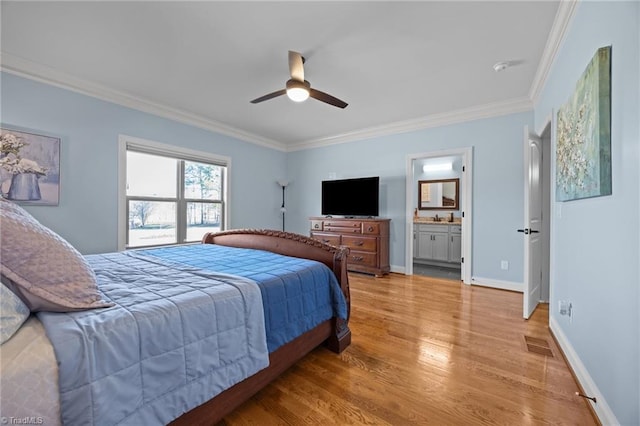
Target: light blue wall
498,180
89,129
597,248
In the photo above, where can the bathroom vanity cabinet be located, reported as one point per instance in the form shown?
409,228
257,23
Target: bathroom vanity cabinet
438,243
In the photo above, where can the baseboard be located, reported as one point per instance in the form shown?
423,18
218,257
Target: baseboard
398,269
585,382
503,285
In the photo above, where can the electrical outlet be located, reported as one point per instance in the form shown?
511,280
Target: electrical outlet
504,265
562,307
565,308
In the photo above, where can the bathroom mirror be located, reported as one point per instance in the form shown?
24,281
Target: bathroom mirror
439,194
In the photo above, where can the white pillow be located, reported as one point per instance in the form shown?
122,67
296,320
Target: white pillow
13,312
42,268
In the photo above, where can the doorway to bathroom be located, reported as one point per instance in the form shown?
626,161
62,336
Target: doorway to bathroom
438,214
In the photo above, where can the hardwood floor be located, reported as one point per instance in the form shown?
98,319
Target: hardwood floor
426,351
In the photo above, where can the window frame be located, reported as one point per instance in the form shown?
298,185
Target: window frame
131,143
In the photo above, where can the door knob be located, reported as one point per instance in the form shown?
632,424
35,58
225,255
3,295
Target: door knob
528,231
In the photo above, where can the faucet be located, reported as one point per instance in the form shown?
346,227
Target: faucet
436,219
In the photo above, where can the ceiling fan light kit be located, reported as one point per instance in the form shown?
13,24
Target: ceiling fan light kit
298,89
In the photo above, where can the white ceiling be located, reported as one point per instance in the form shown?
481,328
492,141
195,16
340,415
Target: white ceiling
397,64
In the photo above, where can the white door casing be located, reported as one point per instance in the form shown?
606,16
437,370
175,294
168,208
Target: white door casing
532,222
466,206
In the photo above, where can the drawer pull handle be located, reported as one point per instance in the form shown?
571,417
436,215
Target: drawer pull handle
357,258
359,243
370,229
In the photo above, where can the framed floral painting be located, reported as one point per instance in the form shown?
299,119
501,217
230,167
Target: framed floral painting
29,167
583,126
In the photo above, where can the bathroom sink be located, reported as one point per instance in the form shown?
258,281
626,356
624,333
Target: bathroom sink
424,220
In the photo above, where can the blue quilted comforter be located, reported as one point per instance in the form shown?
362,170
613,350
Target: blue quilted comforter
297,294
188,323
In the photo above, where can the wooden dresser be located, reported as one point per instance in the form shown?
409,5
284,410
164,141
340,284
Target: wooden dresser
368,240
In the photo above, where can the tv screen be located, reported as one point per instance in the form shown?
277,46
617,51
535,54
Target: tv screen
351,197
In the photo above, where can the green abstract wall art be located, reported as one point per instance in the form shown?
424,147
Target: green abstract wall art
583,134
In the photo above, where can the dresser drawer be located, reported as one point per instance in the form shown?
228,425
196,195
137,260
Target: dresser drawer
370,228
332,239
343,223
360,243
362,258
342,229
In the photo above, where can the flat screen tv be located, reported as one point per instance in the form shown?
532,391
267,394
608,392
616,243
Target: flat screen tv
351,197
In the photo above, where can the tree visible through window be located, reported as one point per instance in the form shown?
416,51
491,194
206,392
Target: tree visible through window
171,200
140,211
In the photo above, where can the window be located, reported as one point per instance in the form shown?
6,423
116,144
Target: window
170,195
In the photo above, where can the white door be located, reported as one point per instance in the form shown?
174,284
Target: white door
532,222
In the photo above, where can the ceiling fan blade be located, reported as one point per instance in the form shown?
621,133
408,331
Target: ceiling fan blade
296,69
326,98
269,96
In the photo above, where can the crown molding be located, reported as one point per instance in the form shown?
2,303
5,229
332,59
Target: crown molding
47,75
44,74
563,18
495,109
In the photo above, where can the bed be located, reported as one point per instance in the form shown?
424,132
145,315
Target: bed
190,391
334,333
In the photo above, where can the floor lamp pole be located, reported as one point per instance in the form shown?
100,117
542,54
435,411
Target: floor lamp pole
282,209
283,184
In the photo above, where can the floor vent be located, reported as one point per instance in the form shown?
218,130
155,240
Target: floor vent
538,346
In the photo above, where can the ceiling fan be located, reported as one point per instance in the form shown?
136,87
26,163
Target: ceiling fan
298,89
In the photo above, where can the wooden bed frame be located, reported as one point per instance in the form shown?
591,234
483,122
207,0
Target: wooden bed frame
334,333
